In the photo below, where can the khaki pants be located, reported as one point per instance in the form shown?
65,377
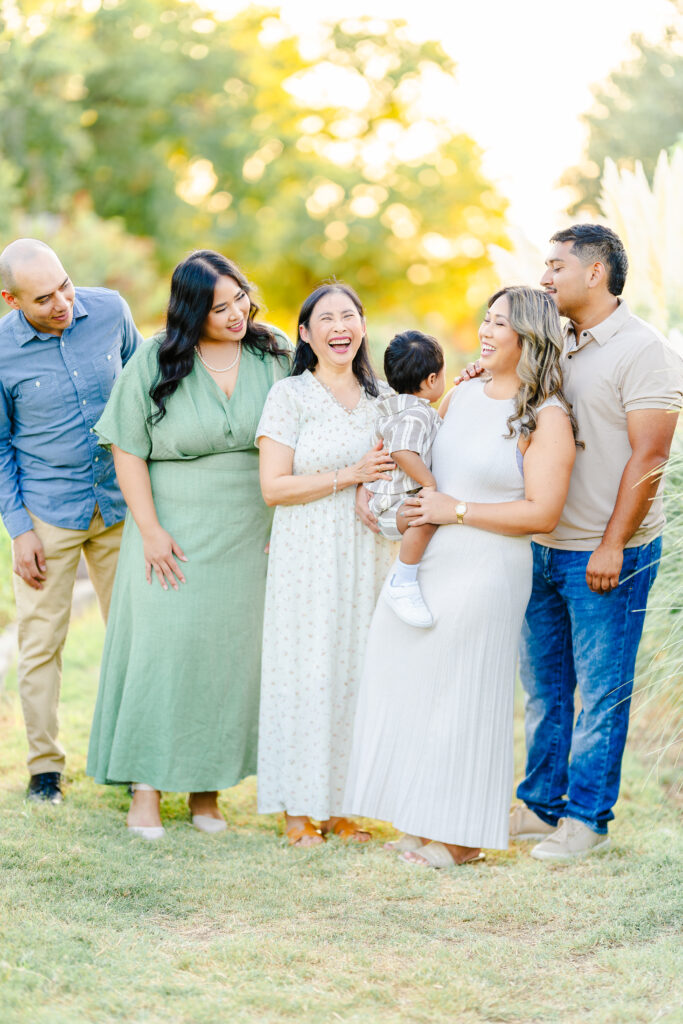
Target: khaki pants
43,620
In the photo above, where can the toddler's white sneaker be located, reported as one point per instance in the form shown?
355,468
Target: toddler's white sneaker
407,602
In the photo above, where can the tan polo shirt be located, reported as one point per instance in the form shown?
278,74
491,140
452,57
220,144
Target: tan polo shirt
618,366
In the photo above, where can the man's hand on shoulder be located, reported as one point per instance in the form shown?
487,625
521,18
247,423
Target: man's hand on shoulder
604,566
471,371
29,559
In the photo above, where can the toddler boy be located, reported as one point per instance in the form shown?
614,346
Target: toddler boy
414,367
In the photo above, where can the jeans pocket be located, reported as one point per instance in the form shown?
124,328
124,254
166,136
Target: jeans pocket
632,568
654,551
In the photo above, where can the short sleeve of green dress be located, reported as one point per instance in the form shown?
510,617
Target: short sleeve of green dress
177,706
124,421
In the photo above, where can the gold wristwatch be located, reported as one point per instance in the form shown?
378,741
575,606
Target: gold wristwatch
460,512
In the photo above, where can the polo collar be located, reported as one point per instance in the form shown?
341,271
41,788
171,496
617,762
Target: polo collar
604,331
25,332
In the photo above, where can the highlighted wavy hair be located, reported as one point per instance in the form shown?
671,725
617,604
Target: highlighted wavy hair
534,318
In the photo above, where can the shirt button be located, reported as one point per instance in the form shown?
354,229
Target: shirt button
97,458
37,383
84,402
109,356
94,485
75,373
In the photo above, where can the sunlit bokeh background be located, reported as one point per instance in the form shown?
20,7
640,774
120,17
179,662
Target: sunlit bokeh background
423,152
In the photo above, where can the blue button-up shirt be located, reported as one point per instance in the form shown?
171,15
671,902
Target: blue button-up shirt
52,392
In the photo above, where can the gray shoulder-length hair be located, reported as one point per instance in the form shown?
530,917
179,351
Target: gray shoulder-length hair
534,318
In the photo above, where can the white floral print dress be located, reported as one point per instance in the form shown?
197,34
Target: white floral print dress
325,572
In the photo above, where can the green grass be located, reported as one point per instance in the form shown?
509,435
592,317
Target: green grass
6,592
96,927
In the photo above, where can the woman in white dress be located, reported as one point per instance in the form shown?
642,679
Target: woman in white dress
432,749
325,568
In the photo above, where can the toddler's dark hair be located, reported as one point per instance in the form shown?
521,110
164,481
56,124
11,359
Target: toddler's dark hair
409,359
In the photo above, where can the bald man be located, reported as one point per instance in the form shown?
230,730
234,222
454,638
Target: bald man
61,349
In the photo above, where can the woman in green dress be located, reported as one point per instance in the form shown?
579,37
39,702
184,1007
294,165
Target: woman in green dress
177,707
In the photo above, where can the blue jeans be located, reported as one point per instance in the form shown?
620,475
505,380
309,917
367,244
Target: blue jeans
573,636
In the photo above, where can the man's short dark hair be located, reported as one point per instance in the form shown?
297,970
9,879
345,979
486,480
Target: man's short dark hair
409,359
594,243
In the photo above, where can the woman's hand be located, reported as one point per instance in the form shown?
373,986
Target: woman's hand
159,548
363,509
376,464
430,506
281,486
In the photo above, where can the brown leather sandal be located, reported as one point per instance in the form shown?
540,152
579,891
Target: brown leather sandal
297,832
347,830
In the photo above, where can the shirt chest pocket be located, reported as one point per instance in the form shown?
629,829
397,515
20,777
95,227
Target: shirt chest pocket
107,368
38,401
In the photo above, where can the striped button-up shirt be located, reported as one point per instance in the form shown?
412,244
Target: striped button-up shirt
404,423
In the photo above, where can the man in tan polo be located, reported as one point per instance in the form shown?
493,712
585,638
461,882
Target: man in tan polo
592,574
61,349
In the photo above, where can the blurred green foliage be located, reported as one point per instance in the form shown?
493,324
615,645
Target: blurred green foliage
101,252
636,115
194,132
7,611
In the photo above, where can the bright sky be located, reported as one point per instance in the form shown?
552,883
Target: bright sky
524,74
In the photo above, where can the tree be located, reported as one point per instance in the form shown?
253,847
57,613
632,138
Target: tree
637,113
198,132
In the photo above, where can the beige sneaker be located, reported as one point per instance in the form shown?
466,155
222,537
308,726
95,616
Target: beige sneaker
525,824
572,839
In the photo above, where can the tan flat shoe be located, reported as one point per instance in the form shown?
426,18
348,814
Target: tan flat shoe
439,856
207,823
405,844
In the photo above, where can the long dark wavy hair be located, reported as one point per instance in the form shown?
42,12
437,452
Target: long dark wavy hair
192,290
306,359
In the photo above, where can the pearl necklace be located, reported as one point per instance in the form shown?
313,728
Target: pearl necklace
215,368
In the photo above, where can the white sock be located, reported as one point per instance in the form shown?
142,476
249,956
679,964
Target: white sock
404,574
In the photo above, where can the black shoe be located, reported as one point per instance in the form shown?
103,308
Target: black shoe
45,788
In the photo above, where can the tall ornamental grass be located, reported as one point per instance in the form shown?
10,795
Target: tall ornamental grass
658,695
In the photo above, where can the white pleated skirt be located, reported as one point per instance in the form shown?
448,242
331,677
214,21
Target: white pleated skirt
432,747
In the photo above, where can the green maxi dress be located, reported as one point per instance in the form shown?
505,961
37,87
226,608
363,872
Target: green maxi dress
177,706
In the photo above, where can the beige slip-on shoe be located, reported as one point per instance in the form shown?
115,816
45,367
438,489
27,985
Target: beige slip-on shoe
526,824
570,841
